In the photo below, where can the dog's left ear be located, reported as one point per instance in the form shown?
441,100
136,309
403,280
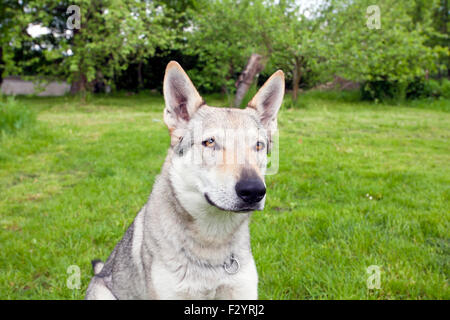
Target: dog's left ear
267,101
181,97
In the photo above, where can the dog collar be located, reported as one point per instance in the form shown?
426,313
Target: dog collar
232,267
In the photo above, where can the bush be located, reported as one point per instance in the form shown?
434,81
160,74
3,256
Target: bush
445,88
421,88
382,90
416,89
14,116
430,89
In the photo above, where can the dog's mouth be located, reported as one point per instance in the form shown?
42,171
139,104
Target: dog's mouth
239,210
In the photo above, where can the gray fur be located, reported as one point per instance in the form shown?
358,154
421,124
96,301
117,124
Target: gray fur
169,234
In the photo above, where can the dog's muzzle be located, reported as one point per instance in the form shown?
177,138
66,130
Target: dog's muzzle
243,207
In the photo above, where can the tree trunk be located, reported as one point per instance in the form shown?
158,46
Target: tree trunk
80,86
139,74
1,63
79,82
245,80
296,80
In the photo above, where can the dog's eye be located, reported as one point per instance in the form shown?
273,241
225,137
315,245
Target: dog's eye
259,146
209,142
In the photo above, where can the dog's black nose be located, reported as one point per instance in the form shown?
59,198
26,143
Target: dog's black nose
251,190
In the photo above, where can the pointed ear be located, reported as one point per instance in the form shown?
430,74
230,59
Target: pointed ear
267,101
181,97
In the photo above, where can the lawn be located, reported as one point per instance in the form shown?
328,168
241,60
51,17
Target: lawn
359,184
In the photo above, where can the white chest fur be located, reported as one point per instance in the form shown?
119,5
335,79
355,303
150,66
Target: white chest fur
192,281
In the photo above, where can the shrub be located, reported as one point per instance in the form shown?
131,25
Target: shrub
416,89
430,89
445,88
14,115
381,90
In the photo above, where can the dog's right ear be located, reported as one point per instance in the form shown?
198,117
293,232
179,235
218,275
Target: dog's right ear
181,97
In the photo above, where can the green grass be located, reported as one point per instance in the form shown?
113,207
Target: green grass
359,184
14,115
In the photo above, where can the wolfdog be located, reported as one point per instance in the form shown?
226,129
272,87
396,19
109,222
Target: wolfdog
191,239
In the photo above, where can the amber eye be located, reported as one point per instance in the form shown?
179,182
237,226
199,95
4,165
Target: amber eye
209,142
259,146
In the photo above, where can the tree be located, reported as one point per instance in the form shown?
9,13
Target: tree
299,44
112,34
395,53
219,36
13,24
224,34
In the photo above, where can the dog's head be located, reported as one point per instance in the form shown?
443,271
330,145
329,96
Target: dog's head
219,154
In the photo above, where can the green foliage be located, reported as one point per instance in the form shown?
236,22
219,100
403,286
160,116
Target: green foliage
330,38
428,88
419,88
445,88
396,52
129,31
394,90
383,90
222,39
15,115
299,45
434,88
113,33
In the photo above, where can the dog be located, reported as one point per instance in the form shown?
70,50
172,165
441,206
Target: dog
191,239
